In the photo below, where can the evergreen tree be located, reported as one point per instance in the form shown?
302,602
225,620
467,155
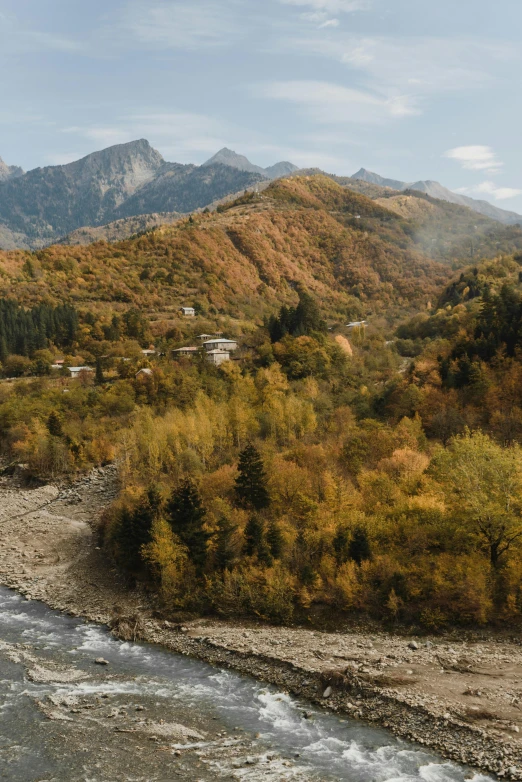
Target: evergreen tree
54,425
24,331
135,527
359,549
306,316
255,541
274,539
226,549
299,321
341,545
186,516
254,535
99,379
251,483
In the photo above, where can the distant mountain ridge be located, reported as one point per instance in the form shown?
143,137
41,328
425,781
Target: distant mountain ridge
436,190
105,192
41,206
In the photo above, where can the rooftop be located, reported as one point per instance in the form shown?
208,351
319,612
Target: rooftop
221,340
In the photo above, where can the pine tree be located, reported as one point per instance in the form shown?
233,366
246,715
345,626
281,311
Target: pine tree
99,379
306,316
299,321
135,528
251,483
341,545
226,549
54,425
255,541
274,539
254,535
359,549
186,516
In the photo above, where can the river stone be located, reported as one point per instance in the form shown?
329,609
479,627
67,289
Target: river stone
101,661
327,692
413,645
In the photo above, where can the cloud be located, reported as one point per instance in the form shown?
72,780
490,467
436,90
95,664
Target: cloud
180,136
330,23
17,39
491,189
475,158
328,103
321,19
181,24
331,6
187,137
413,67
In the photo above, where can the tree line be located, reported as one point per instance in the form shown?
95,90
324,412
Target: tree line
23,331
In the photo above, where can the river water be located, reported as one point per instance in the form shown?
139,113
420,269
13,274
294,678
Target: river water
150,715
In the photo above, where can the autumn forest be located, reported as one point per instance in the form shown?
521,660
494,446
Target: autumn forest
366,471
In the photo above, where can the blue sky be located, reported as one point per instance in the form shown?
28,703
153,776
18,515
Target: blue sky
409,88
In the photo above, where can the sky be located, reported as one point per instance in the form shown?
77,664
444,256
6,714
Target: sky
411,89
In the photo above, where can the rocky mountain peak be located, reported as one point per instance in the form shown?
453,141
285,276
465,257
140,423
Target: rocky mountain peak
228,157
127,165
9,172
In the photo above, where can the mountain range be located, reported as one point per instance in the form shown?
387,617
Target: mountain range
39,207
436,190
129,187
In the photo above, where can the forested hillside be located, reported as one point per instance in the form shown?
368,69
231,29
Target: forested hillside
468,370
326,470
244,260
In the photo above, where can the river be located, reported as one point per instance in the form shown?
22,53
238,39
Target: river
150,715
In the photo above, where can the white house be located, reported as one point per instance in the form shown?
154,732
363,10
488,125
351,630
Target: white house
205,337
75,371
220,344
190,351
145,372
149,352
356,324
188,312
218,356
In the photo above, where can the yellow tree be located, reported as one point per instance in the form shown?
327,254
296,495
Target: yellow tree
482,484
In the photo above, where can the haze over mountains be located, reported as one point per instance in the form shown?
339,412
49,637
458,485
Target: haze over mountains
131,187
436,190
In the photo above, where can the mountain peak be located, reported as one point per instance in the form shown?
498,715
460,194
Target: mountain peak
227,157
9,172
375,179
121,153
125,166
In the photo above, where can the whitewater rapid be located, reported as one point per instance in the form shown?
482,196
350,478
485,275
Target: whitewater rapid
64,718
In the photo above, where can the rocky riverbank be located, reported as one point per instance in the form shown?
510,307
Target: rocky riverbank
461,696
